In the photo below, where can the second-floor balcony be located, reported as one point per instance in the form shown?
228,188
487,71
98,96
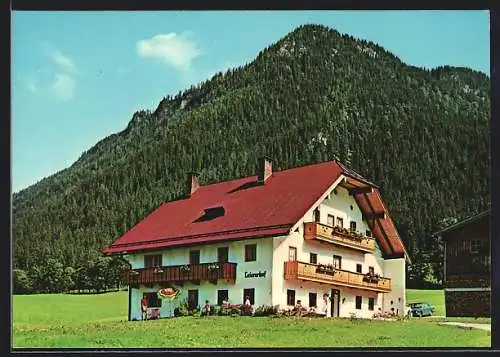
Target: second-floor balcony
338,236
183,273
295,270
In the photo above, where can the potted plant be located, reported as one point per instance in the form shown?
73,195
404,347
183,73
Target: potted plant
214,266
326,269
158,270
185,268
371,278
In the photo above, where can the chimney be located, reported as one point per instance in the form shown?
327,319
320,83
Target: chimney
265,169
192,183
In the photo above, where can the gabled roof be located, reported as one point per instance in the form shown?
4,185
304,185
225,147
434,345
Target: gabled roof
247,209
463,222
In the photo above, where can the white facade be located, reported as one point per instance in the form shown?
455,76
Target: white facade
207,290
272,253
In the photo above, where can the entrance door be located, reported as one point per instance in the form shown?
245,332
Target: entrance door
335,303
192,299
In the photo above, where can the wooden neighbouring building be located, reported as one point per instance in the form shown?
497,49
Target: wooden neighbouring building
467,267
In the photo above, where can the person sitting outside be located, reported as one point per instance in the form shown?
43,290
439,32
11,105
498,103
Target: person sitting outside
298,308
144,307
224,306
379,313
247,307
206,309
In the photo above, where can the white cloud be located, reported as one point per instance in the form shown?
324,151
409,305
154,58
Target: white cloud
63,61
57,82
175,50
63,87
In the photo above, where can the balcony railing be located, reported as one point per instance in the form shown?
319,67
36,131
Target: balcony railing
338,236
183,273
311,272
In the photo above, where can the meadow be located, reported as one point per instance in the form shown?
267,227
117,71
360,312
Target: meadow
99,321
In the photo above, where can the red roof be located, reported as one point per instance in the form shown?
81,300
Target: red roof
383,228
250,210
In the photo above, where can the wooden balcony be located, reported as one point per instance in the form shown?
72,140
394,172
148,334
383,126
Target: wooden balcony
311,272
180,274
322,232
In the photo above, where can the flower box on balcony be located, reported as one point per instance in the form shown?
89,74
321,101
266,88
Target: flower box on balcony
326,269
212,267
371,278
158,270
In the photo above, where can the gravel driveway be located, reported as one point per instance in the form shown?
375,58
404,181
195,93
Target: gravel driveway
468,325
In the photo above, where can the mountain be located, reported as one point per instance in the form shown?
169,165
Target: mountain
422,135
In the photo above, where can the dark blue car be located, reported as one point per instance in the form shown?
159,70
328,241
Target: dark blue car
419,309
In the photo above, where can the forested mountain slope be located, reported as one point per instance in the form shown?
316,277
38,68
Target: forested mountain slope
423,135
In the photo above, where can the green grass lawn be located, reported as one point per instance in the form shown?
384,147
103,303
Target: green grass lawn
433,297
99,321
46,309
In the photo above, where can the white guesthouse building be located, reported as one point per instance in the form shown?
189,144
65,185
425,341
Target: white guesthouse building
277,237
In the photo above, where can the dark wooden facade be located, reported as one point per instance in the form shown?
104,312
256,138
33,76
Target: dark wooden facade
296,271
180,274
467,265
337,236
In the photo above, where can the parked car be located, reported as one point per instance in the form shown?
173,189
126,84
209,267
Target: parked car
419,309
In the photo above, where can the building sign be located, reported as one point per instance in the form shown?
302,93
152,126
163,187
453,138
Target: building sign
260,274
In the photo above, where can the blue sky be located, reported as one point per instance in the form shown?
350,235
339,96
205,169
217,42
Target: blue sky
78,77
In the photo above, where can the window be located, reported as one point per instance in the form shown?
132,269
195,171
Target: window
359,268
250,252
194,257
371,304
340,222
353,226
358,302
317,215
475,246
330,220
312,299
292,254
313,258
192,299
290,297
486,261
371,270
153,300
152,261
368,233
223,254
250,293
222,295
337,261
